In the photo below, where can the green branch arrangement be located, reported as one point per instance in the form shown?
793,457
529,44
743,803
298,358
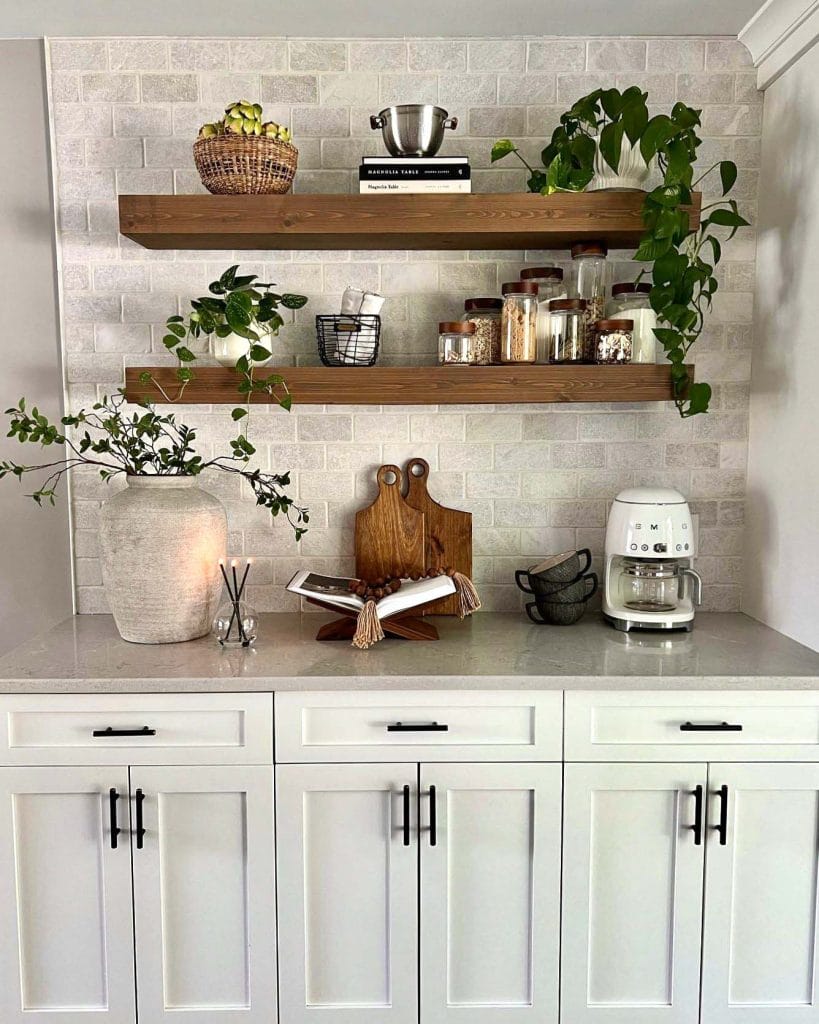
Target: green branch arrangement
141,443
684,259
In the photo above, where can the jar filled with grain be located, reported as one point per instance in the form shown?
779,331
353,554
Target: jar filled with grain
456,340
519,322
590,277
567,331
549,281
613,341
485,314
630,300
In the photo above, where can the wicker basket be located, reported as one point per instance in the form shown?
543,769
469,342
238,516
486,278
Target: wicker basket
245,164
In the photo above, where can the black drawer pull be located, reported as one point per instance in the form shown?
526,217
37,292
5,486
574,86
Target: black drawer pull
113,796
110,731
140,826
696,828
417,727
710,727
722,828
433,816
406,825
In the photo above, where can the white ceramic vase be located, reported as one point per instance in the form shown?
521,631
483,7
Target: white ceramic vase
161,540
631,175
227,350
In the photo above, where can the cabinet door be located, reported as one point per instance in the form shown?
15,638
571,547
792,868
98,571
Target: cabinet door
632,894
66,926
490,893
760,896
348,891
204,895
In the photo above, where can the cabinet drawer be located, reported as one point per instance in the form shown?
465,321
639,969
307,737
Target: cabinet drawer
166,729
411,726
692,726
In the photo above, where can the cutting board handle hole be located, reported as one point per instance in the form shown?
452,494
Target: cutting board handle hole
389,476
417,469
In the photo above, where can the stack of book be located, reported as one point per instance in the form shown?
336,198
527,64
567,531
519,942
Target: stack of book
414,174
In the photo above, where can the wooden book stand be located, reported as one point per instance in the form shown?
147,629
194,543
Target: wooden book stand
408,627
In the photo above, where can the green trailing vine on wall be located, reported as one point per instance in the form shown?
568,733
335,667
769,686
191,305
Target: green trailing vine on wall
684,259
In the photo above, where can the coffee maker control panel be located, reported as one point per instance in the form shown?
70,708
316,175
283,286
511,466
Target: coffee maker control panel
651,531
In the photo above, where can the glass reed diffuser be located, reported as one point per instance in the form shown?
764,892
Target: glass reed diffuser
236,623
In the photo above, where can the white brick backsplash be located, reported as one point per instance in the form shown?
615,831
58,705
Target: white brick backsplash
537,479
556,55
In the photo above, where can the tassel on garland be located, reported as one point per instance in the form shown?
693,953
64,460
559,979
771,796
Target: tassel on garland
368,629
468,600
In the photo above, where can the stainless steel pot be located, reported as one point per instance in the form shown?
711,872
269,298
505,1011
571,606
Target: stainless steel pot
413,129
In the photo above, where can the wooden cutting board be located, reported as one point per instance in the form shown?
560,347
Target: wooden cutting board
448,532
389,534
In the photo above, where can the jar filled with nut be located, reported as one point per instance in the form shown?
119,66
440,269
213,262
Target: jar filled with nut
613,341
485,314
590,273
519,322
456,339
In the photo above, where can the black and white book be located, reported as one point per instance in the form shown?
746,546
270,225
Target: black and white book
335,590
445,171
414,187
418,161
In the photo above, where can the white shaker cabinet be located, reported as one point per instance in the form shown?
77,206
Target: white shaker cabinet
632,893
204,894
490,893
760,895
348,885
66,927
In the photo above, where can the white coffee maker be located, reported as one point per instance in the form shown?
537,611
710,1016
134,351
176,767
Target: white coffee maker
650,542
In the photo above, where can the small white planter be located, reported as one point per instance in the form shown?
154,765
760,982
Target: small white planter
161,540
631,175
227,350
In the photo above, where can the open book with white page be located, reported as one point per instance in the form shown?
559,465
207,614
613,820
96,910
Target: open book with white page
335,590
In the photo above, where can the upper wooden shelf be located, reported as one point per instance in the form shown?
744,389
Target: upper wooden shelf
421,385
517,220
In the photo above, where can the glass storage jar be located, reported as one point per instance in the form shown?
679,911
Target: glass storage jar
590,273
456,340
519,322
485,314
631,300
567,332
649,586
549,281
613,341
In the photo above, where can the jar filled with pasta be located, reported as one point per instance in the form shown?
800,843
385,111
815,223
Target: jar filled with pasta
519,322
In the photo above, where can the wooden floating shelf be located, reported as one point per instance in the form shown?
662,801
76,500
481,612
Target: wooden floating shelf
422,385
517,220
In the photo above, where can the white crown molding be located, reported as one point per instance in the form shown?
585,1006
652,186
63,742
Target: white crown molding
778,34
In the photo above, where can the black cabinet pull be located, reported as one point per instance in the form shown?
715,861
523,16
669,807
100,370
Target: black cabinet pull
417,727
710,727
433,817
144,731
406,825
722,828
140,828
113,796
696,828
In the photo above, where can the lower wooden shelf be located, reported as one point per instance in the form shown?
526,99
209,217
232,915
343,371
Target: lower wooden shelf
421,385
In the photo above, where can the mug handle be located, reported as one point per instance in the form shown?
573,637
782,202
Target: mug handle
519,574
530,613
585,553
593,577
376,121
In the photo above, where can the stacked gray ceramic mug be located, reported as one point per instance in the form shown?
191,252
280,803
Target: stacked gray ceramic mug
561,587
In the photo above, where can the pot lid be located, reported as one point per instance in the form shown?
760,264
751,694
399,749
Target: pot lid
649,569
650,496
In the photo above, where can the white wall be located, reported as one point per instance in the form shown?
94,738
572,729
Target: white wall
35,564
781,585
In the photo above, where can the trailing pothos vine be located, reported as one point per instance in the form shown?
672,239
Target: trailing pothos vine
242,305
684,258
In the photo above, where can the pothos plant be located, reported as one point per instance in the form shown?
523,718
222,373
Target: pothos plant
683,282
114,440
242,305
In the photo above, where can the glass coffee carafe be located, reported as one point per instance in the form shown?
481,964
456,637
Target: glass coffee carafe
648,586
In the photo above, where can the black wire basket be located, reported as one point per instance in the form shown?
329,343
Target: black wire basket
348,339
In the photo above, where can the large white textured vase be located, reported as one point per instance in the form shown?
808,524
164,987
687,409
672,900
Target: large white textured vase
631,175
161,540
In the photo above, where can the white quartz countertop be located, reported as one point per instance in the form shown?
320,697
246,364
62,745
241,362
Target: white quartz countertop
490,651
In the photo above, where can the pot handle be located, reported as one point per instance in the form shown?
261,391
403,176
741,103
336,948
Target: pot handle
593,577
519,576
531,614
585,553
376,121
449,122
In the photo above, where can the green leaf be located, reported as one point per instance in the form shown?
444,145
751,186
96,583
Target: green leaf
502,148
651,249
685,117
699,397
258,353
176,328
286,402
227,279
238,414
290,301
611,144
612,103
184,355
658,130
728,175
170,341
635,119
